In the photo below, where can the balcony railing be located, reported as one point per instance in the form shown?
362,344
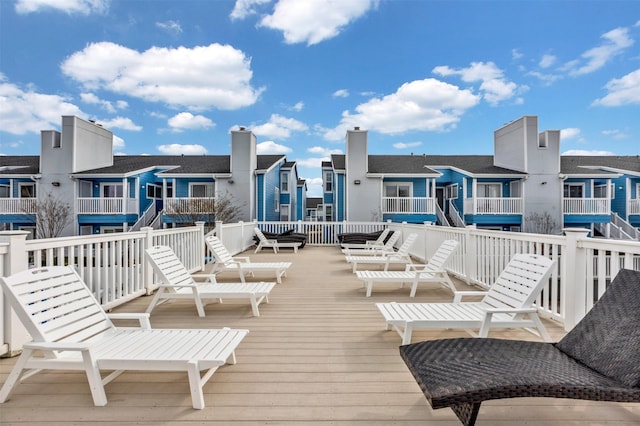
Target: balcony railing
586,206
18,205
633,206
107,205
189,205
411,205
493,205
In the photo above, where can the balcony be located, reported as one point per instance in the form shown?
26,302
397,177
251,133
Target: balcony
586,206
493,205
633,206
18,205
114,205
410,205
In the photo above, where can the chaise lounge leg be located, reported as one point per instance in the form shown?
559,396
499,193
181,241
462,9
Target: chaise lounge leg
467,413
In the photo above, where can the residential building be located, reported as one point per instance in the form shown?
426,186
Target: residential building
108,193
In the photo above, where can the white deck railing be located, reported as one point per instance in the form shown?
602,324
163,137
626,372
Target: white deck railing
493,205
97,205
586,206
18,205
114,268
411,205
633,206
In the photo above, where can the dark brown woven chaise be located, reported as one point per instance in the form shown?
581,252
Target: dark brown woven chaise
598,360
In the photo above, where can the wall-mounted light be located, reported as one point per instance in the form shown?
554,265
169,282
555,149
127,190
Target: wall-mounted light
231,181
543,183
55,183
356,182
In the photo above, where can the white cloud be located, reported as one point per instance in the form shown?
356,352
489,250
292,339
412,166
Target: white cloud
118,142
314,21
314,187
494,85
424,105
312,163
585,152
622,91
342,93
270,147
615,134
298,106
25,111
569,133
547,60
516,54
83,7
615,42
187,121
172,27
325,153
244,8
177,149
121,123
546,79
202,77
405,145
93,99
279,127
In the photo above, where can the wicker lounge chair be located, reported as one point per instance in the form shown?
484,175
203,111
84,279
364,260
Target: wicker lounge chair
264,242
374,249
598,360
378,242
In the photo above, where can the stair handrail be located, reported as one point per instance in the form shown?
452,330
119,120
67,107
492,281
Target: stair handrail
455,215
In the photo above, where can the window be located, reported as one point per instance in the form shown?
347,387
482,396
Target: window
284,182
86,229
111,190
154,191
574,190
110,229
27,190
600,191
169,190
284,213
397,189
489,190
86,189
328,182
328,213
31,230
202,190
276,199
5,191
452,192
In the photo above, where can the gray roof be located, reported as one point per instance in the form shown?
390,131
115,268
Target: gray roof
425,164
266,161
313,202
584,164
19,164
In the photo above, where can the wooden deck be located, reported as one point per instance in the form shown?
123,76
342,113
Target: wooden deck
318,354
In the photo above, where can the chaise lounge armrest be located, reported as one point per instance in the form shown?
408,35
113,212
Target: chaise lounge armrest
458,295
143,318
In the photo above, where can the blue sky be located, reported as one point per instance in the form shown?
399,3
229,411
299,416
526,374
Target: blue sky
434,77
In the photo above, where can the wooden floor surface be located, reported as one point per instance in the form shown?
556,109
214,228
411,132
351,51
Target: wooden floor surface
318,355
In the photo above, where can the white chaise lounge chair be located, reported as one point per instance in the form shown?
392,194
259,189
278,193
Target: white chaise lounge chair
378,242
264,242
433,272
507,304
178,283
401,256
375,250
242,264
71,331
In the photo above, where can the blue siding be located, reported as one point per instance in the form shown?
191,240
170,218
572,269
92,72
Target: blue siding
271,182
340,199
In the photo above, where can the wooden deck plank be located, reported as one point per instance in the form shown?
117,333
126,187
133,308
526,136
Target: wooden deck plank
318,354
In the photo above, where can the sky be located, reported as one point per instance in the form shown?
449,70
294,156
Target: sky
424,77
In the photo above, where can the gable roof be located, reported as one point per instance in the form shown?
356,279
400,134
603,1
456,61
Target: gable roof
599,164
19,165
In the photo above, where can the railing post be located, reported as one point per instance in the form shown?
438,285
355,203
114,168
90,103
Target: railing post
15,260
470,264
200,245
573,277
147,271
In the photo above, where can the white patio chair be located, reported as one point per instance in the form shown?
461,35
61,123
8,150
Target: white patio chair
507,304
433,272
178,283
71,331
375,250
264,242
402,256
242,264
